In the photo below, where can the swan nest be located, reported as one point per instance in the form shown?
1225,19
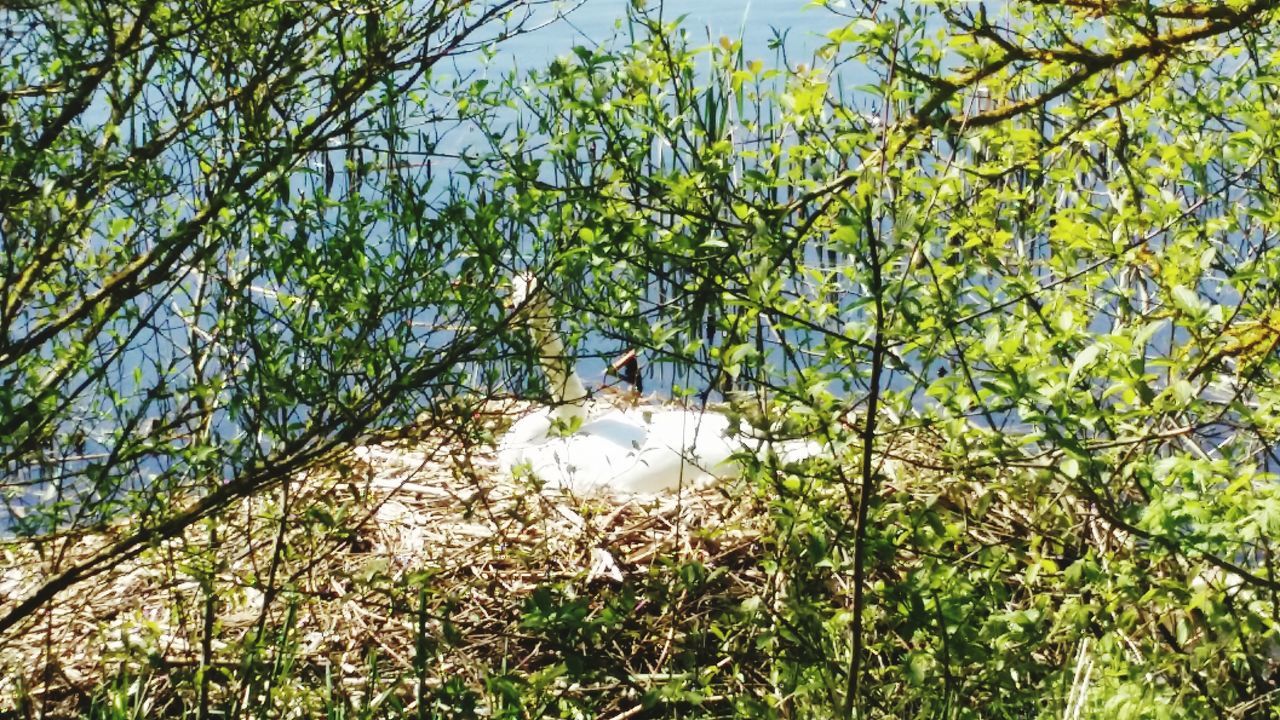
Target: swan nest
358,535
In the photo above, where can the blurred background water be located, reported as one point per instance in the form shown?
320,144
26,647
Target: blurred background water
593,22
770,30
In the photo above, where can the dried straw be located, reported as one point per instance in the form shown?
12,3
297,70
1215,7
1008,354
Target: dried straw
346,547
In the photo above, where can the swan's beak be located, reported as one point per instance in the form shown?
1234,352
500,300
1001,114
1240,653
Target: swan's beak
627,367
622,361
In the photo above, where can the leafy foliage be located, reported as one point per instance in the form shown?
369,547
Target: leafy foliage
1015,266
1030,253
225,252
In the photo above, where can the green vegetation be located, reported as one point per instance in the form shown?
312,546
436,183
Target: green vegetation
1014,263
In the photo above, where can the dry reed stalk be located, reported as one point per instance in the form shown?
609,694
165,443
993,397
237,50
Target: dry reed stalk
428,507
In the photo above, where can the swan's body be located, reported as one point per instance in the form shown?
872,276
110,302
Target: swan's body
630,451
640,449
635,450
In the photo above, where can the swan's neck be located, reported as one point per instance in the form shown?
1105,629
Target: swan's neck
567,390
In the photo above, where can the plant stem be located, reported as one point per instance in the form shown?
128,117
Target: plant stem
851,700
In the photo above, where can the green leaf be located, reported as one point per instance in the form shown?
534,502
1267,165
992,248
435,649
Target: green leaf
1082,361
1187,300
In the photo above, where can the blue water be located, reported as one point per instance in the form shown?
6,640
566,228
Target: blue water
755,22
773,31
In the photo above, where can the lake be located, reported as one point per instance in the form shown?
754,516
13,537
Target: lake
754,21
758,23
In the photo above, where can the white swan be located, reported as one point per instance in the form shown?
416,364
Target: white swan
622,450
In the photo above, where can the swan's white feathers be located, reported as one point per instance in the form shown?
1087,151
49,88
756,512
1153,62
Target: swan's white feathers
635,450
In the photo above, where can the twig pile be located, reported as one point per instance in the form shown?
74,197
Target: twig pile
415,553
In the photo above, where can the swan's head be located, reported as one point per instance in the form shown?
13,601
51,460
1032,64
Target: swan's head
523,288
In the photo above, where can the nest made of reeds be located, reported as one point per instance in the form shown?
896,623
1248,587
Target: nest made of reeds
417,553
